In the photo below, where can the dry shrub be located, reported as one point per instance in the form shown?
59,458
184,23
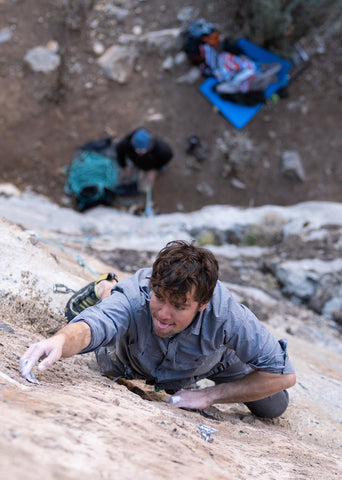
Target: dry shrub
279,23
31,309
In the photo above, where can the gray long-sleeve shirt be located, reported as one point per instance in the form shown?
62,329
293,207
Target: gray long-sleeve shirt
226,338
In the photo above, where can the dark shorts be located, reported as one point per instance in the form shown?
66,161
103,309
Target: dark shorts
270,407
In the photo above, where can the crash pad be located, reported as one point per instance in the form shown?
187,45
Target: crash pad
240,115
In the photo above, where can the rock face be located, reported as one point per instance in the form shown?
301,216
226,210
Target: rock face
77,423
298,247
313,281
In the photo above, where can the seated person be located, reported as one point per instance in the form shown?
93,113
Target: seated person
149,153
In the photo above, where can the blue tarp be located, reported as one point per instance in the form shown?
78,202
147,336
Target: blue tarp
240,115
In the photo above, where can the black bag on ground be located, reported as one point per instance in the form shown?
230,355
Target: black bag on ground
249,98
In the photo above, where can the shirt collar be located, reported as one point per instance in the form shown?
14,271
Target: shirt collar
196,324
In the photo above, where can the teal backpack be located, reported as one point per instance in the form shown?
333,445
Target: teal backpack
94,176
91,179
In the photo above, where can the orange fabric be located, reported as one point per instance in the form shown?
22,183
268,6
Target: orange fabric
212,39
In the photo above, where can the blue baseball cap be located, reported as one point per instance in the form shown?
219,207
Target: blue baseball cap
141,139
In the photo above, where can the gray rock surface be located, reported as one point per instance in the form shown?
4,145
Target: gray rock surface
43,245
297,247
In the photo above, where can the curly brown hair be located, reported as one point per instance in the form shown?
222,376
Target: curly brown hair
180,268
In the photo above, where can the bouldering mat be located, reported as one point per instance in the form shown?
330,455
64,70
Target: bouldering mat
240,115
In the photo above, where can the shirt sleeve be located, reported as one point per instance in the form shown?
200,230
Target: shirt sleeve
121,151
107,320
162,153
254,344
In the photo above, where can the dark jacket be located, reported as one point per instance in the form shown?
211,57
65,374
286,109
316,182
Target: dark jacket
154,159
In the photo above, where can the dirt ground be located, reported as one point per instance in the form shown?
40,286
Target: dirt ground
45,117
